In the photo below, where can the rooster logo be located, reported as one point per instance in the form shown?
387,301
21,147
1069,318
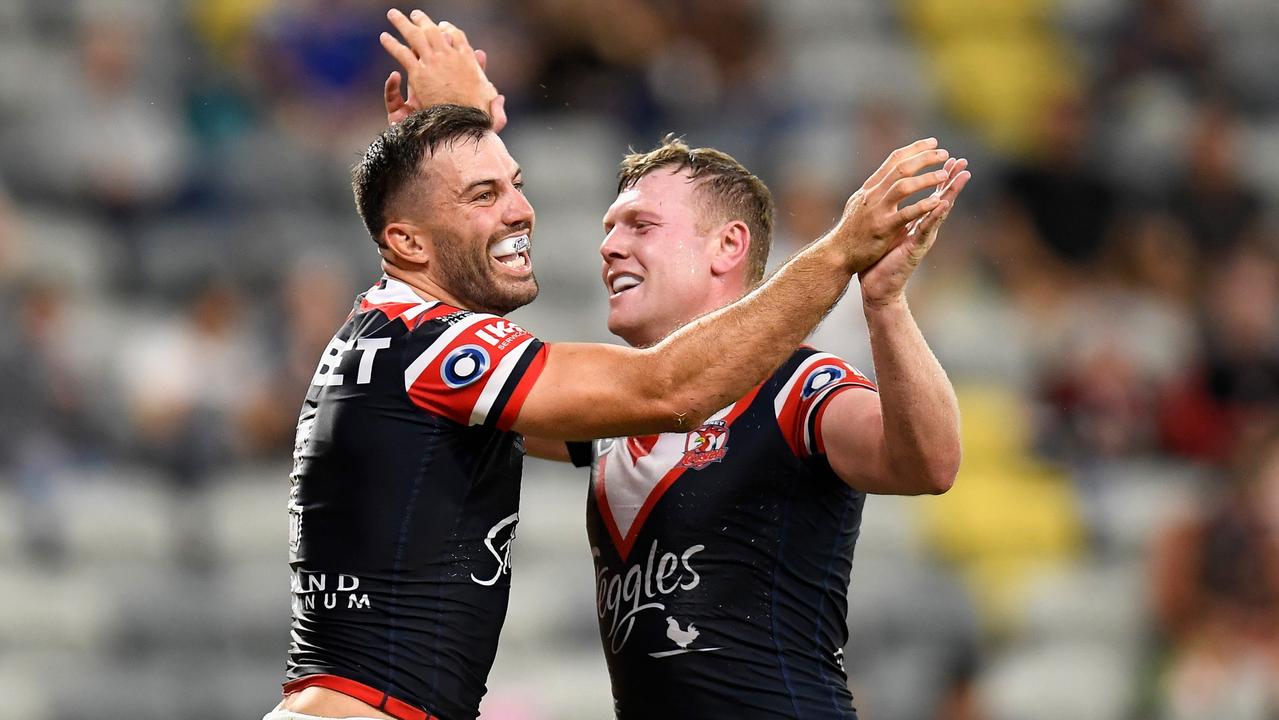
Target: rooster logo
683,638
705,445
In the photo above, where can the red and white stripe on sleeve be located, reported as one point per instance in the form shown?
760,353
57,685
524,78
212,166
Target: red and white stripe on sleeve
478,371
803,398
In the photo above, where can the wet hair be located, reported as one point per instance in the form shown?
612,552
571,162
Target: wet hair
393,161
730,191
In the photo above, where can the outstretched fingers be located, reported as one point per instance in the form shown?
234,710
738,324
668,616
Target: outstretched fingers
931,222
896,157
916,210
396,49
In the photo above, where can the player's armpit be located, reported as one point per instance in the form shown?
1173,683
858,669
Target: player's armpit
589,390
852,430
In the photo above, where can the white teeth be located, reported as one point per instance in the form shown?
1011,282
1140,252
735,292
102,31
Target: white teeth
625,282
509,246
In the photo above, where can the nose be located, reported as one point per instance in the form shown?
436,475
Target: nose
519,210
614,246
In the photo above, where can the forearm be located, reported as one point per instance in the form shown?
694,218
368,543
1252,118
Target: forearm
920,413
717,358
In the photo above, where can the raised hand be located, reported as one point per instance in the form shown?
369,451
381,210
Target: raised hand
440,66
872,223
885,281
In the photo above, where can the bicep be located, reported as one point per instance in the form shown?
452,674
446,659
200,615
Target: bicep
852,433
589,390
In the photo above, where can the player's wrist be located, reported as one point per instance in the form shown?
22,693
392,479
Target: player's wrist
879,303
836,252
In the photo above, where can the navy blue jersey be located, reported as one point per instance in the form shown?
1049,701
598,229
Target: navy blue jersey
722,557
405,497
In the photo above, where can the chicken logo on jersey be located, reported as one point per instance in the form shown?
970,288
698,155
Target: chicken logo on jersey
682,638
705,445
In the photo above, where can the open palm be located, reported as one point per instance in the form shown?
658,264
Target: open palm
886,279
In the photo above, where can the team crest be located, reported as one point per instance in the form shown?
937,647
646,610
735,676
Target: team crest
705,445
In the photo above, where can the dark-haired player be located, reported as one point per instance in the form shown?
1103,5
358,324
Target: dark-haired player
723,551
409,447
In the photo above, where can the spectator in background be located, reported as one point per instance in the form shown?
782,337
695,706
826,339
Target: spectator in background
45,426
122,153
191,383
1216,595
1235,384
1211,197
1162,38
1057,207
314,295
316,64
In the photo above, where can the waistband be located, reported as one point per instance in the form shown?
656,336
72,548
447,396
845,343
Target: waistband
385,703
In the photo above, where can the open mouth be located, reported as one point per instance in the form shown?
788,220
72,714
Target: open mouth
512,252
622,282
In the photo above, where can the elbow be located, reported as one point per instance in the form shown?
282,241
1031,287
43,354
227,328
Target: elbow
673,405
679,416
941,474
939,483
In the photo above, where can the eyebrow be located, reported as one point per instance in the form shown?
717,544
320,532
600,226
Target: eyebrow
519,172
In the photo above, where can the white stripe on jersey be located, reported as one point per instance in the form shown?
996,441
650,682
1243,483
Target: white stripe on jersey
398,292
497,379
801,372
810,442
412,314
432,352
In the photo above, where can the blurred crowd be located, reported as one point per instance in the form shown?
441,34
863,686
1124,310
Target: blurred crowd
178,242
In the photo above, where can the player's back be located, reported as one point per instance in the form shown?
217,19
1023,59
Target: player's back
405,498
723,558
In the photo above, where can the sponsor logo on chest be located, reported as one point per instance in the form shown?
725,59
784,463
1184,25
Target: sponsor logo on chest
622,596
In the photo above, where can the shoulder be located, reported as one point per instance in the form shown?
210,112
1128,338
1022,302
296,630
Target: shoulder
472,367
802,388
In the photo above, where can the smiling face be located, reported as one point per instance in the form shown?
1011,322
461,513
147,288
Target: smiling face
479,225
658,253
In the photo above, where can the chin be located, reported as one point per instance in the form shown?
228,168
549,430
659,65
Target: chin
631,332
515,300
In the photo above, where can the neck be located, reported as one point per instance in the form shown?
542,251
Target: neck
422,284
655,332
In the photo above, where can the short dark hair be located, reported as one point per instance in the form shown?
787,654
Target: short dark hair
394,158
724,183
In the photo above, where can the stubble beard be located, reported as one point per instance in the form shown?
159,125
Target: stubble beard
466,273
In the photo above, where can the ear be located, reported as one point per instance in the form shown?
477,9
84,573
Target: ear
731,244
405,245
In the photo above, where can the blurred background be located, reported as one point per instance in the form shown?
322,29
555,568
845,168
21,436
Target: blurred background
178,243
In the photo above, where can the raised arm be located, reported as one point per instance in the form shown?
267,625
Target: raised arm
592,390
441,67
905,439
